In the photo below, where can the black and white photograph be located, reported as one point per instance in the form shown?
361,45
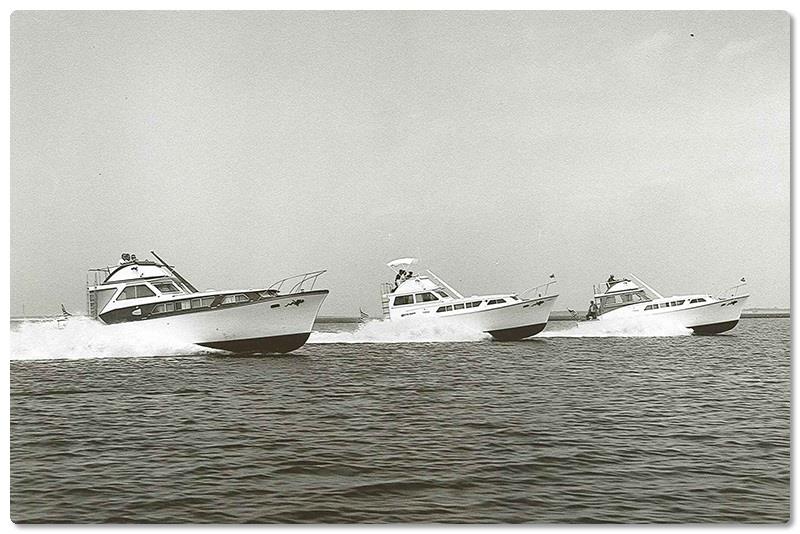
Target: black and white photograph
400,267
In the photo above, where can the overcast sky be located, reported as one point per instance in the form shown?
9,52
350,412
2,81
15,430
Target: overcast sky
499,147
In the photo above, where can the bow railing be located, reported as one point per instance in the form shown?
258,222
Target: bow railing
297,282
537,289
732,291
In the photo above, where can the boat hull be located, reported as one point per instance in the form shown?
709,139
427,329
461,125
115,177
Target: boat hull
517,333
276,324
270,344
510,322
703,319
715,328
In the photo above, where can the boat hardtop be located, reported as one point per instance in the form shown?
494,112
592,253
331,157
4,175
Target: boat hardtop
429,290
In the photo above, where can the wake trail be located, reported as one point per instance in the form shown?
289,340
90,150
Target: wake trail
405,331
629,327
86,338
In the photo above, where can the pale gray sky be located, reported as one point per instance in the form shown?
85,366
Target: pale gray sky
497,146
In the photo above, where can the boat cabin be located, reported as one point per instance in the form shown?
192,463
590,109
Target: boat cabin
421,294
614,294
140,289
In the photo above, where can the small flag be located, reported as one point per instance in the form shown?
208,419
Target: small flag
742,280
552,276
364,315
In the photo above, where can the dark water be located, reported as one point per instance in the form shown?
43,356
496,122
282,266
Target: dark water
678,429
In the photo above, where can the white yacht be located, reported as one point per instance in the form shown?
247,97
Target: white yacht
704,314
507,316
154,296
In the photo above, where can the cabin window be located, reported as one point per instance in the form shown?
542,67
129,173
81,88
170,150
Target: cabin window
514,297
495,301
169,306
167,287
442,294
664,305
158,309
473,304
425,297
402,300
182,305
202,302
449,308
135,292
458,306
440,309
679,303
231,299
694,301
649,307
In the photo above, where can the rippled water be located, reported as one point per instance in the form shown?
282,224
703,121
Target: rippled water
561,428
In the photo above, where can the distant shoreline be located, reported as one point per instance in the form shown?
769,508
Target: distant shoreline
554,316
563,315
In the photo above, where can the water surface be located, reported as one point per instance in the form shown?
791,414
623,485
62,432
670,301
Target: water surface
551,429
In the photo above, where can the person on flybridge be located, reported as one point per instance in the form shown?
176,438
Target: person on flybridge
398,279
401,277
126,258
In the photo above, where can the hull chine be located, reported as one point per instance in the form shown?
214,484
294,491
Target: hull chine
270,344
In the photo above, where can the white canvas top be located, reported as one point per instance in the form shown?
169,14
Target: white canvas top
402,261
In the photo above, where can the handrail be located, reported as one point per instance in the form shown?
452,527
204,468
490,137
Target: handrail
304,278
606,285
545,285
732,291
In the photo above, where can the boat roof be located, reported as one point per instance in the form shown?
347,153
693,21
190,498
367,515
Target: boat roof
402,262
616,287
136,270
416,284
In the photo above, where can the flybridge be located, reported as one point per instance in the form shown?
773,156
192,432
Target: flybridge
131,269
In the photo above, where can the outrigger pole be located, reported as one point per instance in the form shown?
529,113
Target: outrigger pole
175,273
656,293
457,294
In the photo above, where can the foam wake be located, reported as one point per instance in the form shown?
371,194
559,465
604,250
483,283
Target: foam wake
409,330
628,327
82,337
